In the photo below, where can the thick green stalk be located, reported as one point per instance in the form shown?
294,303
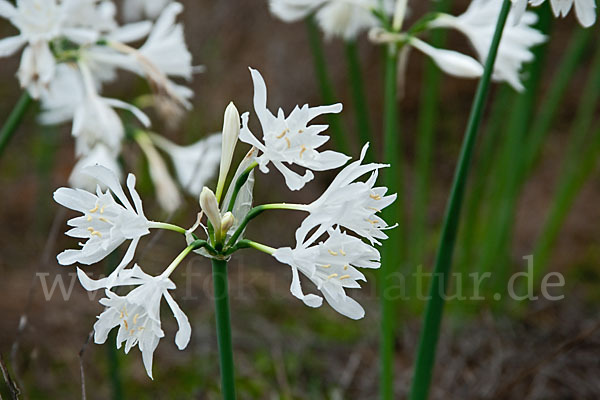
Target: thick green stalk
430,93
392,250
424,364
335,123
14,119
361,110
219,268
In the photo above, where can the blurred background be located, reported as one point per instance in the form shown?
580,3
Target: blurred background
489,349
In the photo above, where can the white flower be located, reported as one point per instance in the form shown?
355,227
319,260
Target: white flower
39,23
65,93
163,55
95,120
138,313
194,164
478,23
105,223
137,9
451,62
585,10
231,133
99,155
353,205
342,18
331,266
290,139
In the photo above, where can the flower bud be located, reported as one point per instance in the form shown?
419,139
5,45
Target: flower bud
227,222
231,132
208,203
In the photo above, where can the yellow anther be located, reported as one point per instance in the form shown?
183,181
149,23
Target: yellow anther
102,209
93,210
344,277
375,196
131,332
141,328
289,144
332,276
303,149
333,253
345,268
121,315
135,317
89,218
90,229
104,220
326,266
300,130
342,252
282,134
373,221
96,233
126,324
374,209
125,311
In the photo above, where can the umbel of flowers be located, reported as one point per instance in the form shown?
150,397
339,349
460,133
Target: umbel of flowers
72,48
334,242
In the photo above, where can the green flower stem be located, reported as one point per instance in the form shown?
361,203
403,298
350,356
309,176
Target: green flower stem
175,263
430,94
14,119
361,109
239,183
167,226
425,359
392,250
325,85
223,328
256,211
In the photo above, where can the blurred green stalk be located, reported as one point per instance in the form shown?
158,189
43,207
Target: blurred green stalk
392,250
579,163
505,193
14,119
548,110
425,359
219,268
361,110
430,94
316,47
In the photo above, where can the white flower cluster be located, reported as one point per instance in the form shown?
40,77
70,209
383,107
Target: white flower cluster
332,243
585,10
72,48
347,18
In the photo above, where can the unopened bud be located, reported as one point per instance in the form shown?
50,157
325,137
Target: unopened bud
231,132
208,203
227,222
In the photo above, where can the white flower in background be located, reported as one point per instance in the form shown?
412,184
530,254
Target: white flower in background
65,93
477,23
166,190
99,155
134,10
138,313
164,54
39,22
342,18
95,120
194,164
349,203
331,266
451,62
105,223
585,10
290,139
